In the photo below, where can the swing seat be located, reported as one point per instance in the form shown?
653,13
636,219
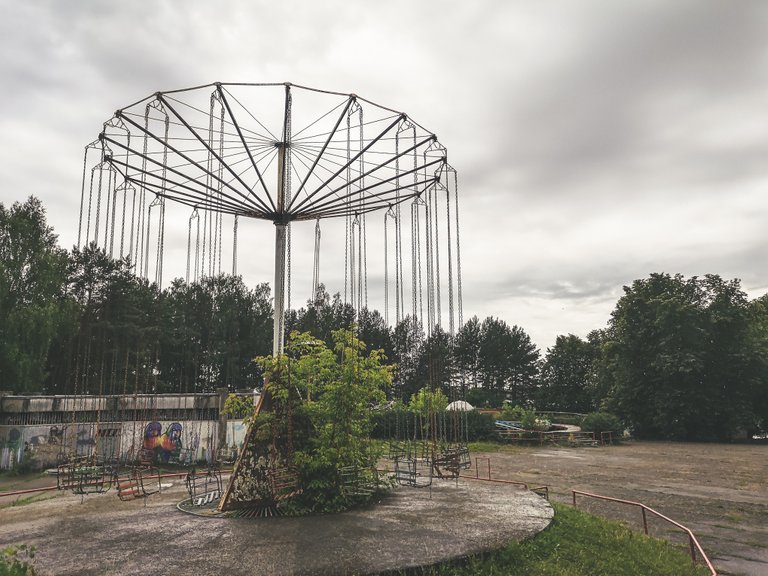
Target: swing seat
407,472
285,482
129,488
133,485
459,453
358,482
447,464
206,499
84,475
94,480
465,459
203,486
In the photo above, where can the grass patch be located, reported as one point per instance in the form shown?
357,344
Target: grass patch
30,499
575,544
492,446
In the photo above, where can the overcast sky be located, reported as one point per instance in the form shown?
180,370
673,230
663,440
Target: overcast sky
596,141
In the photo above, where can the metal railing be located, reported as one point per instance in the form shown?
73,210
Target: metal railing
693,543
555,437
541,490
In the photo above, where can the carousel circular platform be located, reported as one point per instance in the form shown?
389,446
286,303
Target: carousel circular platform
407,528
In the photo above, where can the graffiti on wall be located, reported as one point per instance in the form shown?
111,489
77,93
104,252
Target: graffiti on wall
165,446
184,442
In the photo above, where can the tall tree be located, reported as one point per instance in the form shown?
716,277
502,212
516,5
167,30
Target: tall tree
758,344
212,331
602,377
467,354
509,361
113,344
566,374
321,316
373,330
436,368
407,341
683,358
32,276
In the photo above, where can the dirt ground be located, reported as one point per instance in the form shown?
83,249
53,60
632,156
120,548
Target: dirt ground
720,491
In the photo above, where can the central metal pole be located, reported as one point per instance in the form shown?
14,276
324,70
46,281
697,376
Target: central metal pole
280,241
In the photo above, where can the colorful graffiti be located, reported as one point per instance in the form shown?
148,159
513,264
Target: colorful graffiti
167,446
164,441
11,451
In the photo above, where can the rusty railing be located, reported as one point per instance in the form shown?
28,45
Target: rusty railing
693,543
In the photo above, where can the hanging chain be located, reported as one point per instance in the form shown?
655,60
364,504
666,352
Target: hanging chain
430,267
220,174
143,208
198,269
450,257
114,208
361,172
347,217
164,174
125,187
131,252
386,271
100,168
288,191
194,216
82,197
316,264
435,230
458,250
234,247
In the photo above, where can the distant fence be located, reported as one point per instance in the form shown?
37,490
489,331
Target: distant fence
559,437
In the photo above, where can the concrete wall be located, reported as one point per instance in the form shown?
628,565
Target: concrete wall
43,430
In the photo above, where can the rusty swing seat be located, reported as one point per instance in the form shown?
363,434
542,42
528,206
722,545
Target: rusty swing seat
134,482
203,486
356,481
84,475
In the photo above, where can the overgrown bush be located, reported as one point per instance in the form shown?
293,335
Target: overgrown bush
527,418
425,401
601,422
17,560
337,388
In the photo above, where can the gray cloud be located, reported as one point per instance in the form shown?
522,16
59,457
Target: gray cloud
596,142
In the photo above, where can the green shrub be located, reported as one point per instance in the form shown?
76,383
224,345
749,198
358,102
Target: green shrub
17,560
601,422
424,401
527,418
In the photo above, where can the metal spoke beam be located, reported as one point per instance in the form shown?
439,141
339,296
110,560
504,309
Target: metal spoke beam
185,157
245,145
207,147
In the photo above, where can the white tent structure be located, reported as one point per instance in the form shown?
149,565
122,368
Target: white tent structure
460,406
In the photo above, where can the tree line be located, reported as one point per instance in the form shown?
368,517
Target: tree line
680,358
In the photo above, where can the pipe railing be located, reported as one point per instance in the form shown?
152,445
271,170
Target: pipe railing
544,490
693,543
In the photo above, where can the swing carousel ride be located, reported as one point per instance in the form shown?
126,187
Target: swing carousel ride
213,155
